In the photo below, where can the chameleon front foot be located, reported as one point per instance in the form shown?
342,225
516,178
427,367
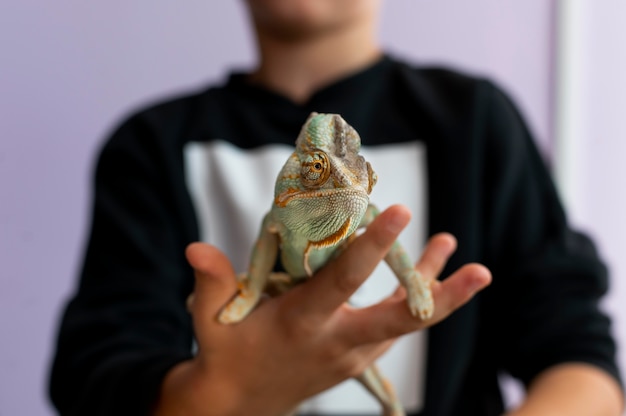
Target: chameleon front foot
419,297
238,308
423,308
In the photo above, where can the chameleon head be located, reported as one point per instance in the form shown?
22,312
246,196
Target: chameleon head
323,190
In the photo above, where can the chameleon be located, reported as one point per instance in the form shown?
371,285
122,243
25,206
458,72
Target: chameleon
321,199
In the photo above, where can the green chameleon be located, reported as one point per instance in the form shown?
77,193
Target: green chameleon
321,198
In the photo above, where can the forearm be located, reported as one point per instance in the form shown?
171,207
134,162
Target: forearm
572,389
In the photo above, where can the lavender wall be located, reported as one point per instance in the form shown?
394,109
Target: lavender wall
592,143
71,69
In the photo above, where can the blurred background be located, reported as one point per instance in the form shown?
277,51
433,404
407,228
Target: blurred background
70,70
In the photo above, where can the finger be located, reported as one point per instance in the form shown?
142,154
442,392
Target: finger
215,279
336,282
358,359
399,293
435,255
455,291
392,318
372,352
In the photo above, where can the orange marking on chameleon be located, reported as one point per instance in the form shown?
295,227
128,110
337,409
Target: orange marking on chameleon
246,294
331,240
334,238
283,199
292,176
307,267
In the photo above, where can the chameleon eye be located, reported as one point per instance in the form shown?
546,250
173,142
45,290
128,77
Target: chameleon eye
315,170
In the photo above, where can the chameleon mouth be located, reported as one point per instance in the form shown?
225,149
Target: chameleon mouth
289,195
323,217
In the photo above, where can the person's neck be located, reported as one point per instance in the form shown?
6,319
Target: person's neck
298,68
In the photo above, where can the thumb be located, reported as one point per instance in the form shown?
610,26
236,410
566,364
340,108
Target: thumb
216,282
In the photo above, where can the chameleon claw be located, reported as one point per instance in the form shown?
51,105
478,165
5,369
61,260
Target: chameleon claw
422,307
419,296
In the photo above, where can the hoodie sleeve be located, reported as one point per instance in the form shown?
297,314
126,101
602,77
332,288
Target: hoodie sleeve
548,278
127,325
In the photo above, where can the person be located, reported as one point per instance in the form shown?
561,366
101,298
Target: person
519,295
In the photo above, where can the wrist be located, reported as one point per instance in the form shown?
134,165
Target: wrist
187,389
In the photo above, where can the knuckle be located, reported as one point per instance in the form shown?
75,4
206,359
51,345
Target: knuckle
344,360
394,330
380,239
391,331
299,328
334,352
353,367
346,282
350,367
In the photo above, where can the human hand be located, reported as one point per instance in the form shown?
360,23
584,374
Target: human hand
307,340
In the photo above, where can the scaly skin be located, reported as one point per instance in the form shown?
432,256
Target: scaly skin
321,198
